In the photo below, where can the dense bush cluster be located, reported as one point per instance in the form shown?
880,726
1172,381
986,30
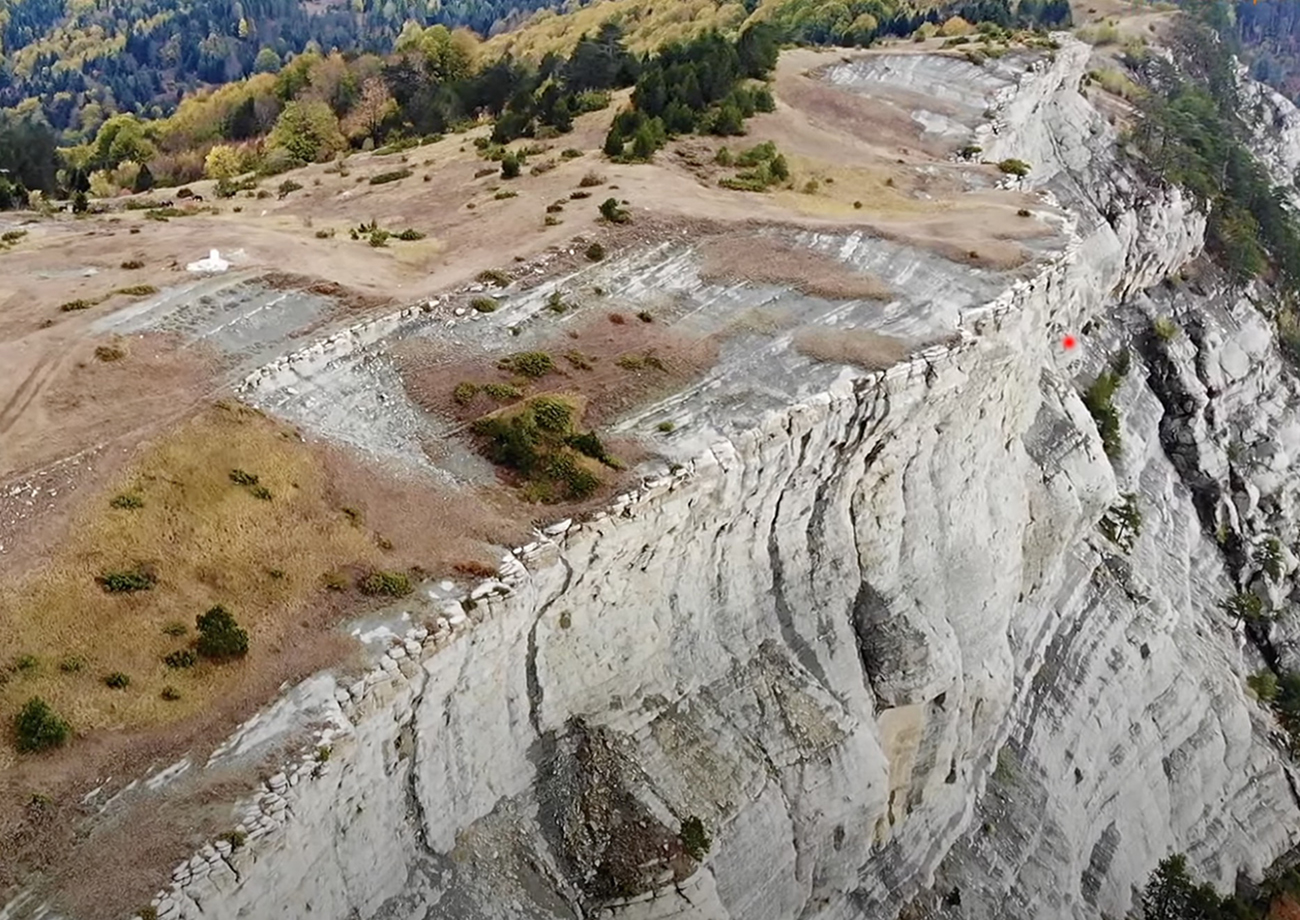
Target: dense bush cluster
538,441
220,637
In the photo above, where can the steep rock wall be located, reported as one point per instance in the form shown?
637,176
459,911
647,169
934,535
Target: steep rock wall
873,639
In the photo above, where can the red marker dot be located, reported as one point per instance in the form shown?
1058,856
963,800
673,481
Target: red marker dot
1068,341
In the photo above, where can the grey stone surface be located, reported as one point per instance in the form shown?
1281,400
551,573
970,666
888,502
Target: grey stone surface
869,632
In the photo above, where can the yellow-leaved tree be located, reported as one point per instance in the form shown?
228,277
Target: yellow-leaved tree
222,162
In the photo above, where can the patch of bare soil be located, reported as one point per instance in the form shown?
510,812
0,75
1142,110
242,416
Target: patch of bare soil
763,260
615,361
74,395
859,347
347,298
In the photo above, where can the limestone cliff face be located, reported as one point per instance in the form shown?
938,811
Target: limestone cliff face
875,641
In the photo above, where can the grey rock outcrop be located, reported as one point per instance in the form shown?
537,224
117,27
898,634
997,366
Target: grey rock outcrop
874,641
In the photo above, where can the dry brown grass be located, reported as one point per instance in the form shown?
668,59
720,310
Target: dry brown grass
764,260
209,540
858,347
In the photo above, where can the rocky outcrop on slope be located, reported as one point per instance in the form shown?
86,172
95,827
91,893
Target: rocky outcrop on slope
874,640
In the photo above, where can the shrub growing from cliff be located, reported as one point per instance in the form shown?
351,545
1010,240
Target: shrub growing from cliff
1122,523
1264,685
1246,606
695,839
1099,399
1268,556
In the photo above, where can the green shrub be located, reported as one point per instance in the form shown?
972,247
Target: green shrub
970,151
409,236
288,186
71,664
38,728
125,582
589,444
117,680
666,426
126,501
554,207
613,212
570,153
137,290
261,492
634,362
1264,684
757,154
505,193
220,637
129,265
1099,399
27,664
181,658
170,693
79,304
392,176
1246,605
235,838
379,238
485,304
510,166
528,363
578,482
493,276
578,360
595,252
1268,556
1013,167
386,584
645,316
551,414
464,392
502,392
397,146
1122,524
1165,328
695,839
243,478
175,628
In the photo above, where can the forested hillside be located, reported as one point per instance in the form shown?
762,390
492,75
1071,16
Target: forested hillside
82,62
1267,33
317,106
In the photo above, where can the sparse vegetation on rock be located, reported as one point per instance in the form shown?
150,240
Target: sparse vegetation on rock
386,584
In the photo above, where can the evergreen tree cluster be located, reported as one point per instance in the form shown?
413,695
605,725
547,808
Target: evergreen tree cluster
700,85
1172,894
